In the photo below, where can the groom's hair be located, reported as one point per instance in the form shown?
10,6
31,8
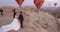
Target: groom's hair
20,11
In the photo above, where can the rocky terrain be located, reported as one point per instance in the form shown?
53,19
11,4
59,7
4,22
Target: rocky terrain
33,21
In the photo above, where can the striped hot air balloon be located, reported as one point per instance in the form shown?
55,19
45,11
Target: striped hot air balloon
19,2
38,3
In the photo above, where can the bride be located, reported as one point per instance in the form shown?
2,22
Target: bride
14,25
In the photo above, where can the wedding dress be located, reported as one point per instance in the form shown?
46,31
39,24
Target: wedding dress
15,25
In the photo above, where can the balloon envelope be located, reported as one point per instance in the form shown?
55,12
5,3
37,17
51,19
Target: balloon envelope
19,2
49,3
55,4
38,3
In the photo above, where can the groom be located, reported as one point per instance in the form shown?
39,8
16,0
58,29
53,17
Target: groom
21,18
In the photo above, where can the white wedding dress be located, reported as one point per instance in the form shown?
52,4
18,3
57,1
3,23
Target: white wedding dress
15,25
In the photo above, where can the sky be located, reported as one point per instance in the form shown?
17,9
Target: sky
27,3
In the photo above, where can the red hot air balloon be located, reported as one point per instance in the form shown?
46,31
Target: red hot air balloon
19,2
38,3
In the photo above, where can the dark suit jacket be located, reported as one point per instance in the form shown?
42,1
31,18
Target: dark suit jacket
21,18
1,10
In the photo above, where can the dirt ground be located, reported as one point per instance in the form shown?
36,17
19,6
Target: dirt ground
33,21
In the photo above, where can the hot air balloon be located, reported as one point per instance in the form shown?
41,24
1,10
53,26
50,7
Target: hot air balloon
19,2
38,3
49,3
55,4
